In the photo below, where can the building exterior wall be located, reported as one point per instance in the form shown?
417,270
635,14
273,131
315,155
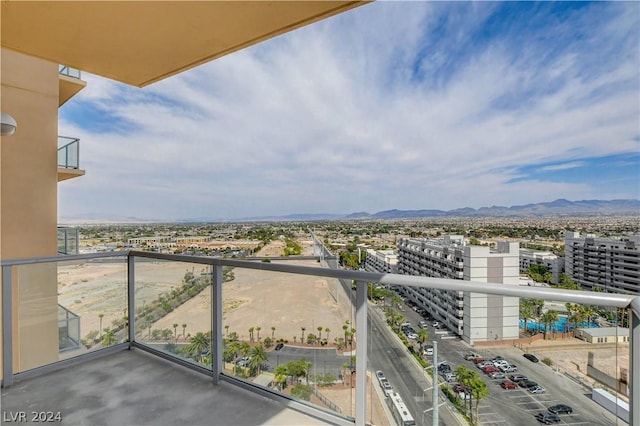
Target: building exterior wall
609,264
28,206
474,316
385,261
554,263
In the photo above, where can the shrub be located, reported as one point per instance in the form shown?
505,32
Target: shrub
547,361
302,392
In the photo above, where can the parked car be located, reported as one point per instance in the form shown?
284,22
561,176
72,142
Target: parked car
478,360
279,346
484,364
412,335
243,362
548,418
428,351
471,356
449,377
490,369
380,375
444,367
423,324
517,377
500,363
497,375
461,388
508,369
561,409
528,384
531,357
508,385
537,389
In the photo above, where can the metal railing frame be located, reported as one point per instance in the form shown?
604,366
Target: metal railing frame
66,148
632,303
69,71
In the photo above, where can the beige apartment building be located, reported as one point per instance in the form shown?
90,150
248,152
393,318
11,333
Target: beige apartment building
43,45
474,316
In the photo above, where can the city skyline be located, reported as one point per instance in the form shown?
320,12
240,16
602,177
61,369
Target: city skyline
390,105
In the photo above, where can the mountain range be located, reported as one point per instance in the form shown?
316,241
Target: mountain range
560,207
557,208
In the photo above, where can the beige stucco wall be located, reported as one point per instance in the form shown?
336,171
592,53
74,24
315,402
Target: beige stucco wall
28,201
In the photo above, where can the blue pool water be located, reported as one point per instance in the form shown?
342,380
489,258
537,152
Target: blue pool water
560,325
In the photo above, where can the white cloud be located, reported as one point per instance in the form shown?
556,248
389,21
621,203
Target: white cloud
333,118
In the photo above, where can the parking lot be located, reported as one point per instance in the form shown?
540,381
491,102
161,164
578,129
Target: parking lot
518,406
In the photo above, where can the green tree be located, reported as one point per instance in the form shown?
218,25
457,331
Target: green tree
175,331
423,337
327,330
479,391
251,334
301,391
184,331
526,311
320,333
258,357
258,333
198,344
548,318
273,331
108,338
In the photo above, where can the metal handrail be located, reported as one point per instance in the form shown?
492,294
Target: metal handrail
67,151
361,278
69,71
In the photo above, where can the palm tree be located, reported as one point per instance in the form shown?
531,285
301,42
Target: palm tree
251,334
526,311
548,318
226,329
258,331
258,357
245,348
101,316
273,331
345,328
234,347
479,391
423,337
175,331
281,374
327,330
184,330
353,333
198,344
466,377
302,338
320,334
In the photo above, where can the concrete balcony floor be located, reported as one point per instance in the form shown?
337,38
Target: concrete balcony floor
135,388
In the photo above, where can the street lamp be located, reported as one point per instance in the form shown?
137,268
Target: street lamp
8,124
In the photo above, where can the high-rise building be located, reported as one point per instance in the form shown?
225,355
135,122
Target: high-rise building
609,264
474,316
385,261
554,263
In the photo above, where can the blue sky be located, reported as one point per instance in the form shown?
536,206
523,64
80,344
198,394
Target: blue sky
405,105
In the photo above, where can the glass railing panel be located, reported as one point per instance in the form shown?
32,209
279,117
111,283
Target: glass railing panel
68,152
67,240
294,334
69,71
173,308
68,308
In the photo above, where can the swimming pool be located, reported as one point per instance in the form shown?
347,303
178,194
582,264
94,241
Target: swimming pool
559,326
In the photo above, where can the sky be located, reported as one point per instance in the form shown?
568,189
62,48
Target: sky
392,105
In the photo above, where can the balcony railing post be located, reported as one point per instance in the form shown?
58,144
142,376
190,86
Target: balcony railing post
131,293
7,327
634,362
361,353
216,322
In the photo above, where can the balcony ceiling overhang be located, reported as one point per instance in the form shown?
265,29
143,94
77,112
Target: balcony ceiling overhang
142,42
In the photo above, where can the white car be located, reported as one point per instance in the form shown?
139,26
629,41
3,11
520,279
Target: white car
412,336
537,389
428,351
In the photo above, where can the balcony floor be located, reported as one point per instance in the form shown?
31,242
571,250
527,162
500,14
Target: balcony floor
136,388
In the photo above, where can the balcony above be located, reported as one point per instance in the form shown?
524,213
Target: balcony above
70,83
139,43
68,158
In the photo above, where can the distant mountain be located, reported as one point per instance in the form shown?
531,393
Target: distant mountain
560,207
